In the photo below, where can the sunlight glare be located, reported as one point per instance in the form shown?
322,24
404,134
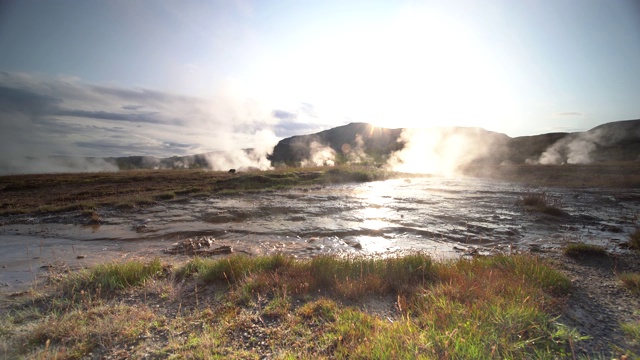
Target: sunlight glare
417,69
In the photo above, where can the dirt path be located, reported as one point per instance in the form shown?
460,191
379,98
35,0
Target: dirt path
599,303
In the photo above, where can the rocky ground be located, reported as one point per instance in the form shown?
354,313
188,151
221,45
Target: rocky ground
599,303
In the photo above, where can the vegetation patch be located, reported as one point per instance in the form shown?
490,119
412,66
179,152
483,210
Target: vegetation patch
631,281
632,329
113,276
280,307
634,240
539,202
579,250
130,189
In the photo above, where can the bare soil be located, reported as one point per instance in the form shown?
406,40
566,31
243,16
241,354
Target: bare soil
599,303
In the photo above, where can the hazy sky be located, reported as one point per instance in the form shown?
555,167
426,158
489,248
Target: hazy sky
114,78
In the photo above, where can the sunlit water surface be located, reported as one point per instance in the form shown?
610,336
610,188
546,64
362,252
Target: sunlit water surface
441,216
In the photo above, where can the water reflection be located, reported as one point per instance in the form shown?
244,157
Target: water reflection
428,214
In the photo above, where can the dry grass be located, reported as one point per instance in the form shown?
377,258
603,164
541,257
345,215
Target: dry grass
135,188
283,308
580,250
631,281
538,202
596,175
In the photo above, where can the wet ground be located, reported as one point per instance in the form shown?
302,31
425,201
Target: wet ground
445,217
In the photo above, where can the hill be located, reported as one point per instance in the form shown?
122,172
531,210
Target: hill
365,143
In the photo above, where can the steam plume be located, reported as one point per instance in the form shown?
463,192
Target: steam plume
319,155
444,151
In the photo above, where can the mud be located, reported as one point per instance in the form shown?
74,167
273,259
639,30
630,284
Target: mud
445,217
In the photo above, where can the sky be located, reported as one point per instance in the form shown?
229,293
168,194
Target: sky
162,78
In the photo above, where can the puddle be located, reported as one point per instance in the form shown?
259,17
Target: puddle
444,217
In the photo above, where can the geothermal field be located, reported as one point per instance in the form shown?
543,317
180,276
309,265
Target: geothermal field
273,212
54,226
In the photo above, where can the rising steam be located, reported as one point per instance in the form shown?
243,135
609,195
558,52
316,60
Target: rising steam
444,151
355,154
319,155
589,146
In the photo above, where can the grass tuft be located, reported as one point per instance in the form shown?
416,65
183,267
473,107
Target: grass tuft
538,202
580,250
631,281
114,276
632,329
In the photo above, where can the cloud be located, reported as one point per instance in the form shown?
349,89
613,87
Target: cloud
290,128
152,117
569,114
303,120
25,101
284,115
61,116
132,107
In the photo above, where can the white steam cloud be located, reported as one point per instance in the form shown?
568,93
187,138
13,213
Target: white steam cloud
355,154
33,165
319,155
443,151
580,148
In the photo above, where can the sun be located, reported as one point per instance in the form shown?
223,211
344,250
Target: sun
418,68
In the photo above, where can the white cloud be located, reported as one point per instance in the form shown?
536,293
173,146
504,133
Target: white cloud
44,116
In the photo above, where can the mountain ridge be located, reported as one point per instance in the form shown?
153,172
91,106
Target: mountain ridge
364,143
614,141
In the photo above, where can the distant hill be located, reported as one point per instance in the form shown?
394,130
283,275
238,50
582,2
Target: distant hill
616,141
342,140
452,148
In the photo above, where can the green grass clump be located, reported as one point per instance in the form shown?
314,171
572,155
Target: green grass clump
632,329
631,281
115,276
584,250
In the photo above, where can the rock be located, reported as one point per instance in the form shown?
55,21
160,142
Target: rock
225,249
190,246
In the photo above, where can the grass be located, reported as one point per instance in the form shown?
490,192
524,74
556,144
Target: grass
631,281
579,250
128,189
45,193
538,202
632,329
113,276
622,174
285,308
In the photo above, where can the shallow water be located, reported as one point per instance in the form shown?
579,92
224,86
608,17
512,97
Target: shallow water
445,217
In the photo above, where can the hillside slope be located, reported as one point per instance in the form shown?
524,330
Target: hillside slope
615,141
